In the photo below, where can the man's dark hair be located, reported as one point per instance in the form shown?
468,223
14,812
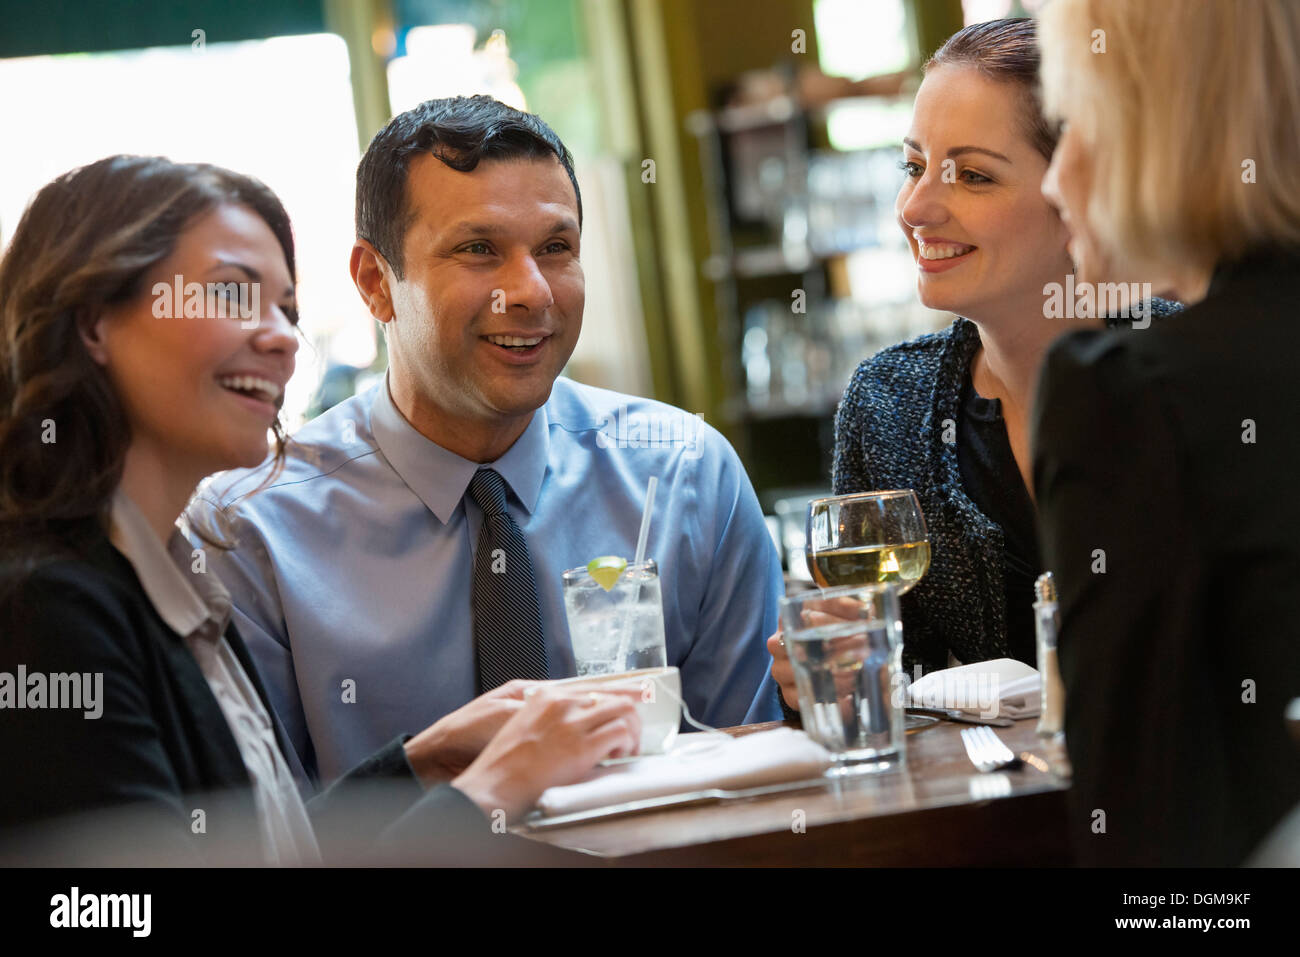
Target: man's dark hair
461,131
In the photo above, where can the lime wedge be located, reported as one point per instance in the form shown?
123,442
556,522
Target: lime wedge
606,570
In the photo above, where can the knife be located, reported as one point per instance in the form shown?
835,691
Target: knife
962,717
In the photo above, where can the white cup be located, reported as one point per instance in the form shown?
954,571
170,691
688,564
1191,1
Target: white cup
660,707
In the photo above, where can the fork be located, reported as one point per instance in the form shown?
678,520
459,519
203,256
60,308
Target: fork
987,752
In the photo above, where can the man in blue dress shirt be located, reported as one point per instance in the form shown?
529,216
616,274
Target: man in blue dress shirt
353,574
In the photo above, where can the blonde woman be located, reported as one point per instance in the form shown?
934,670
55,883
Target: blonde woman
1165,460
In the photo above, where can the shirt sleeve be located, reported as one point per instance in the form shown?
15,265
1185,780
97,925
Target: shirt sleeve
727,676
248,573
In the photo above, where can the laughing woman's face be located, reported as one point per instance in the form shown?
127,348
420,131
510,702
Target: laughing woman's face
201,391
984,238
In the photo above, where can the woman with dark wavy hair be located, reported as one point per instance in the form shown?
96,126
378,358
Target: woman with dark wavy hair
147,330
82,250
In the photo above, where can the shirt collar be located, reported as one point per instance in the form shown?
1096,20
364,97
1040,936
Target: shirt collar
439,477
184,598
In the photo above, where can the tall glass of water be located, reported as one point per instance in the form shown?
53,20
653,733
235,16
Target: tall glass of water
846,646
868,537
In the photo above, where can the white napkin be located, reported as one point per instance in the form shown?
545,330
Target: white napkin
696,761
1001,688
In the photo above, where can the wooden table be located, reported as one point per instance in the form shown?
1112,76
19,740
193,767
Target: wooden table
932,809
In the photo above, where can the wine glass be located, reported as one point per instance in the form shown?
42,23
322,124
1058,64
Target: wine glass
866,538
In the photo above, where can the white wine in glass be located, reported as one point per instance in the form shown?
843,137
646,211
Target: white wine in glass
867,538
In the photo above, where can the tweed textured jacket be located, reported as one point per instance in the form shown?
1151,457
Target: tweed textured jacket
896,427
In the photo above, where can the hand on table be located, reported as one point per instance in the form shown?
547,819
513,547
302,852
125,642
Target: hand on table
556,737
448,746
830,611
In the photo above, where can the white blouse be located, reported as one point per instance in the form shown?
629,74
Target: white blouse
195,605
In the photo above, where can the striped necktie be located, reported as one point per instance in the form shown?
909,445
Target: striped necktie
507,615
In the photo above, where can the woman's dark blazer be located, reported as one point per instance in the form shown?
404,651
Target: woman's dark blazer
1166,463
896,427
162,737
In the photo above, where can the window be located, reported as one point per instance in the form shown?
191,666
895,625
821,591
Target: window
279,109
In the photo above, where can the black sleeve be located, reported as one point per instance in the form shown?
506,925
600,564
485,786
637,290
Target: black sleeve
379,813
357,807
446,828
1115,530
57,760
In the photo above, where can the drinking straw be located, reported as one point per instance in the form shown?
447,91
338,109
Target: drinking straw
641,539
645,520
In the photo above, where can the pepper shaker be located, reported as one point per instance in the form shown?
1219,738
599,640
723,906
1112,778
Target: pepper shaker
1047,620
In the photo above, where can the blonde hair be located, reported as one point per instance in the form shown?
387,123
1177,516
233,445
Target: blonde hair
1182,106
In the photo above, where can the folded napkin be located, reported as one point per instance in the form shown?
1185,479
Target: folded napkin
1001,688
696,762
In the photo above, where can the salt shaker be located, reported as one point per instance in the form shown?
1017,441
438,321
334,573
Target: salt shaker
1047,620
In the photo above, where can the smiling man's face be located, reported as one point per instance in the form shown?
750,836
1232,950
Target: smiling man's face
489,307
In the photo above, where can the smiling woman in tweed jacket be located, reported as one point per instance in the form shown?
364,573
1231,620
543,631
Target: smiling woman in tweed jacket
946,414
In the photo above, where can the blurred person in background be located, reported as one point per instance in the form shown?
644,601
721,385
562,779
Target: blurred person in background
946,414
114,405
1165,461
